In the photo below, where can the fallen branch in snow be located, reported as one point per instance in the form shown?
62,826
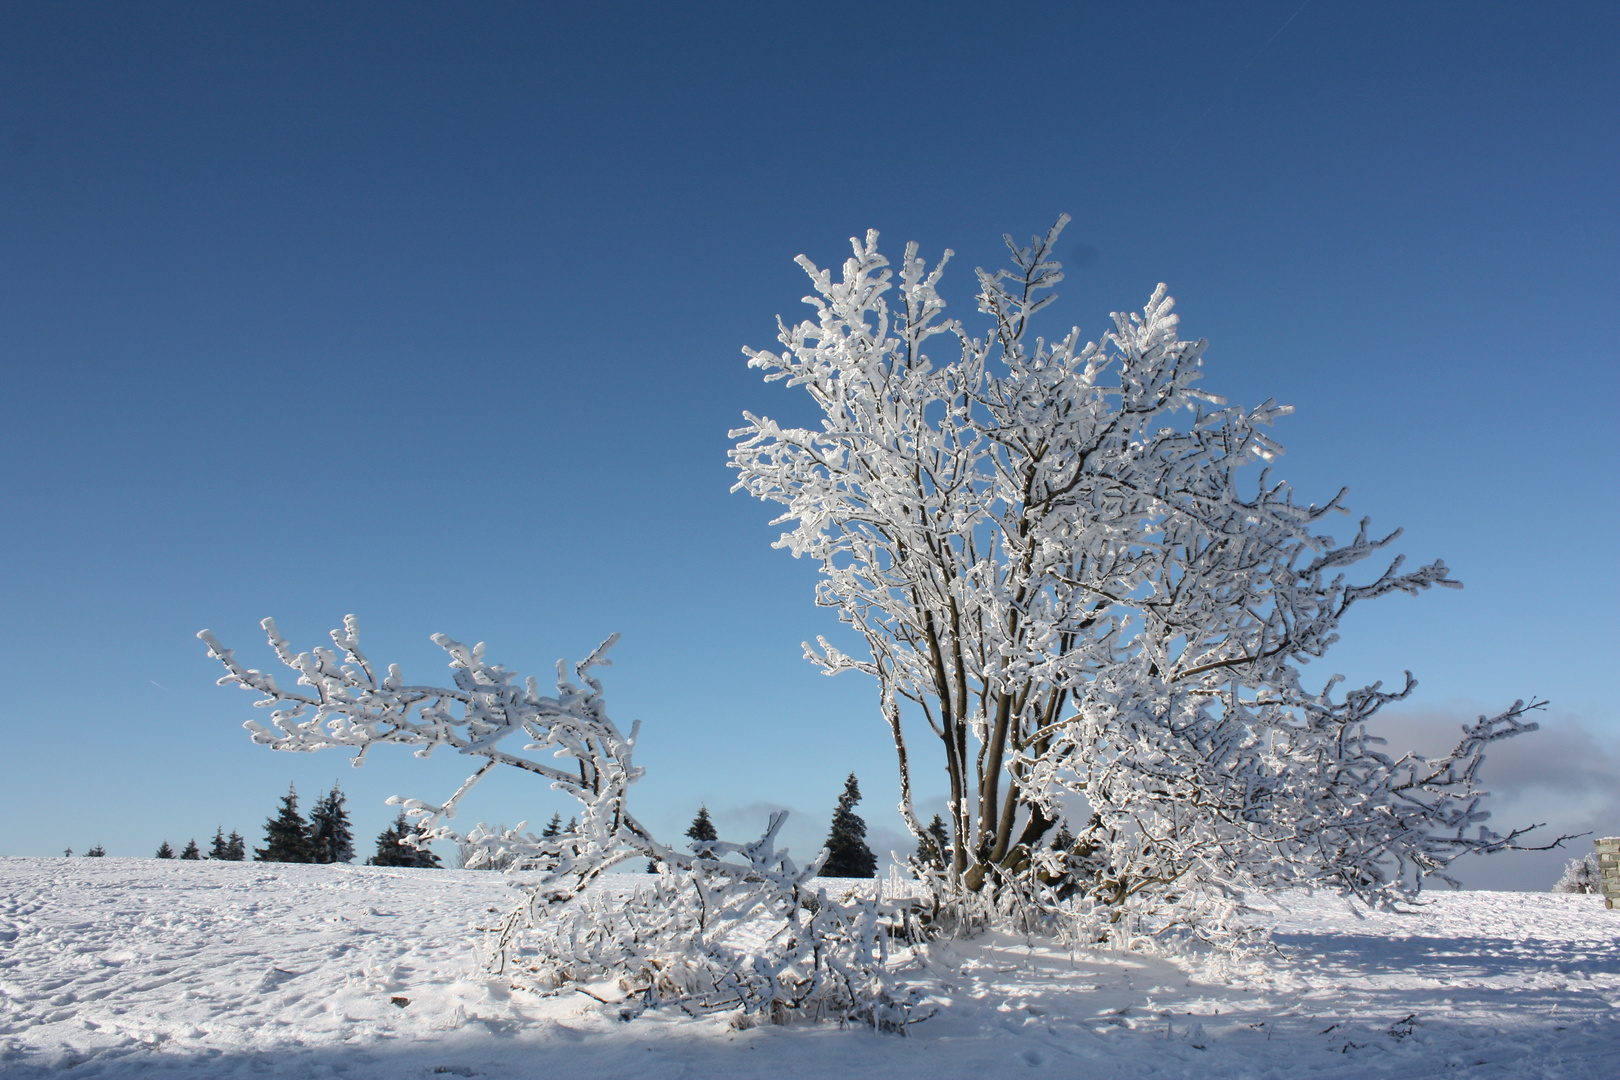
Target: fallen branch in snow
728,927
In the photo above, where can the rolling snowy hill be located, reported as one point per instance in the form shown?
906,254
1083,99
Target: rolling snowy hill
114,968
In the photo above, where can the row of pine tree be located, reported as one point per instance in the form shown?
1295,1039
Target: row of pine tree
326,837
847,853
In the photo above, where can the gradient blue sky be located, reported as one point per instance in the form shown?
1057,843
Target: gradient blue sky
432,313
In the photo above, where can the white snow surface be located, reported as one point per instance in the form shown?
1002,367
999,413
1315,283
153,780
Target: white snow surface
115,968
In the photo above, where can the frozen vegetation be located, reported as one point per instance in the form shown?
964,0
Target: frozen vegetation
1049,554
116,968
1064,574
1077,581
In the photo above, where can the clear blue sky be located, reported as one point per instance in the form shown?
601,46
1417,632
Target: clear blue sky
433,314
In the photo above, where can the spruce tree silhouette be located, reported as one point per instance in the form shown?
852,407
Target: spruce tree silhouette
286,836
331,838
390,852
702,827
934,849
847,853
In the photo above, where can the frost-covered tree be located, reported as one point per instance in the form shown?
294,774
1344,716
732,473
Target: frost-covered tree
397,845
847,853
286,836
1581,876
191,851
164,851
1060,565
471,856
330,836
690,938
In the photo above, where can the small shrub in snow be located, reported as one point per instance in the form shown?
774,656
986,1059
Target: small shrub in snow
476,857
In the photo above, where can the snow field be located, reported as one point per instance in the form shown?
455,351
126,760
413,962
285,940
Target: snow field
113,968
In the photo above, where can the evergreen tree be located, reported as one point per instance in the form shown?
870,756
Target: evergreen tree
165,852
236,847
97,852
553,827
331,838
286,836
191,851
218,850
388,849
67,854
390,852
934,849
572,827
702,828
847,853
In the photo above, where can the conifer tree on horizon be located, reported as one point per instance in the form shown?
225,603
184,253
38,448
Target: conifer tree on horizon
390,852
847,853
236,847
553,827
165,851
218,850
191,852
330,835
97,852
286,836
702,827
934,845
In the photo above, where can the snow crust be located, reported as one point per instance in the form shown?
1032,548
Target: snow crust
117,968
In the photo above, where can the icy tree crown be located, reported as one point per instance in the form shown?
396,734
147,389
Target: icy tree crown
1052,560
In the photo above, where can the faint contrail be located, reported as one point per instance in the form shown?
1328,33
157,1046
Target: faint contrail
1215,100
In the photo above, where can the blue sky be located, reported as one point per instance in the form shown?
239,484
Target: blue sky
433,314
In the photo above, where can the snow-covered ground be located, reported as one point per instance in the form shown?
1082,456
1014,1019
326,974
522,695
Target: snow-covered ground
140,967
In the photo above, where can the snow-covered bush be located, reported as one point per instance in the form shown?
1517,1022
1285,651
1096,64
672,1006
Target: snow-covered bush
1046,549
471,855
728,927
1581,876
